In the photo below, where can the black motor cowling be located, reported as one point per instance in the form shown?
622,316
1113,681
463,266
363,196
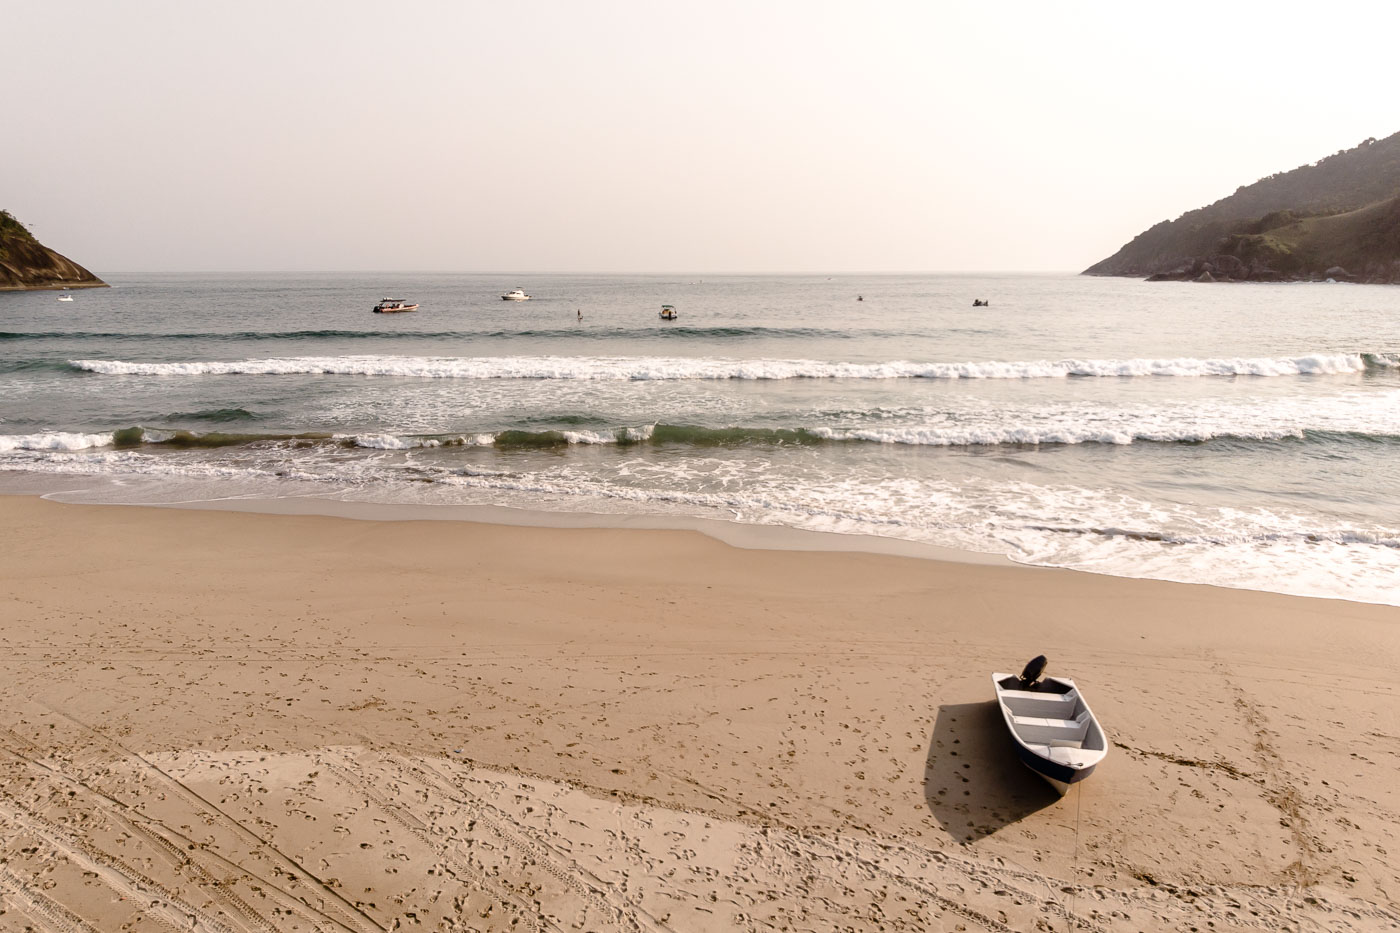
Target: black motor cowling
1033,671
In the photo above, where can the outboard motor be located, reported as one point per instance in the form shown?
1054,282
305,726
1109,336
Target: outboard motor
1033,671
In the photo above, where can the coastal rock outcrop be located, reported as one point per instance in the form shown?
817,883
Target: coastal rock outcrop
1311,224
25,263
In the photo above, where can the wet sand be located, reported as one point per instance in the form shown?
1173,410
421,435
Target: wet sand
228,721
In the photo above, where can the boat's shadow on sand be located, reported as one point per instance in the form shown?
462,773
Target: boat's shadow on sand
973,781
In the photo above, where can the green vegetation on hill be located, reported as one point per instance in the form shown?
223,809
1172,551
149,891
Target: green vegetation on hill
10,227
1336,218
25,263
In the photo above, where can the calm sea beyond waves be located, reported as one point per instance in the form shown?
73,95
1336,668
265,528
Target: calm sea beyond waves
1239,435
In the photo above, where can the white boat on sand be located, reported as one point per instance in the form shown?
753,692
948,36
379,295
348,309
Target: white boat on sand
515,295
1055,732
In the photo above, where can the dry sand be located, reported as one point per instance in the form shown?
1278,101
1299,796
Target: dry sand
234,722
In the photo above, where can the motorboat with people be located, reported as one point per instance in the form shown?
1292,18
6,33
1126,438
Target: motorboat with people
668,313
393,306
65,297
517,294
1055,732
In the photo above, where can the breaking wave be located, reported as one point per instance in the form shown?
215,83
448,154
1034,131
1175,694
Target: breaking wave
571,333
683,368
1338,422
55,441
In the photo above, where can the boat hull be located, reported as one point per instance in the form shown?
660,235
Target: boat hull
395,310
1058,776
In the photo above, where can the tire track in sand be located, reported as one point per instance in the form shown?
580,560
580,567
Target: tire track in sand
344,769
351,917
39,907
1279,789
184,862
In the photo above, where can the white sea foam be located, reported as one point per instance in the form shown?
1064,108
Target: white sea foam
641,433
388,441
54,441
1251,549
1371,414
392,442
588,437
683,368
122,463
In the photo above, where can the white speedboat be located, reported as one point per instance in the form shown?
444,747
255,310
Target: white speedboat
65,297
515,295
1055,732
393,306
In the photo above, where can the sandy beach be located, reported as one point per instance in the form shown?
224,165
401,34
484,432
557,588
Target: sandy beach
224,721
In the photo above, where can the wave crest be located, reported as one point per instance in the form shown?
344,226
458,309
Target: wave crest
682,368
53,441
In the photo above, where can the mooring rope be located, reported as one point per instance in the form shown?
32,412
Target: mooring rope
1074,868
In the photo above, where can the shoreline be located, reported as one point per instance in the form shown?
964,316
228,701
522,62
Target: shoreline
1310,279
55,287
420,720
737,534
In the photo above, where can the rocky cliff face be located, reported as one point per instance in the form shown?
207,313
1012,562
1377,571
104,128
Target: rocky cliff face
25,263
1338,218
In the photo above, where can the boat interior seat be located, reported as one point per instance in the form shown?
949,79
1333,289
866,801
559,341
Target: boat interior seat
1056,733
1032,703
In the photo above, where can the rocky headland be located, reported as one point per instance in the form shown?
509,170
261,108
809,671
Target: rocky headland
25,263
1337,218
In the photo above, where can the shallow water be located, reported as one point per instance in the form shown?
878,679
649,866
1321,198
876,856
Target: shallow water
1242,435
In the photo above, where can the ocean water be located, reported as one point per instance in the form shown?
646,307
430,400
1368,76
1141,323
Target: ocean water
1238,435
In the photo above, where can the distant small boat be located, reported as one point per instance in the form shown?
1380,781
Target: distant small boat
516,295
1056,733
65,297
668,313
393,306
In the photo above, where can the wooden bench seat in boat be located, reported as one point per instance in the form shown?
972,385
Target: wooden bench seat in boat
1036,703
1054,733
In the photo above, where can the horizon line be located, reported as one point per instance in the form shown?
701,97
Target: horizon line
518,272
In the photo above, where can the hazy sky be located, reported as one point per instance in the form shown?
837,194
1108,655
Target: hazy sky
661,137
